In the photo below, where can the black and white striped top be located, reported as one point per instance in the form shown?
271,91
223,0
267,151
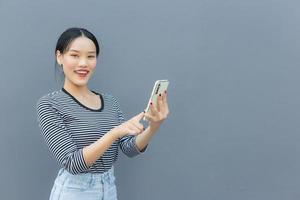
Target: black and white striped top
68,126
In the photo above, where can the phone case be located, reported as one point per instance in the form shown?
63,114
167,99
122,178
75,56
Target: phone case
159,87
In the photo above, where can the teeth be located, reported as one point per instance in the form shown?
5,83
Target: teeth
82,72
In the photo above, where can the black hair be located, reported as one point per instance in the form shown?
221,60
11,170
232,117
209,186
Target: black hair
68,36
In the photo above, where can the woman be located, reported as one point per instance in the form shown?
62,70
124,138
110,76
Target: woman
83,128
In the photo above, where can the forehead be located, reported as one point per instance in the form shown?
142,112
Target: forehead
82,44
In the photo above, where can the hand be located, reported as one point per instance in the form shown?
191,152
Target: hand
130,127
158,113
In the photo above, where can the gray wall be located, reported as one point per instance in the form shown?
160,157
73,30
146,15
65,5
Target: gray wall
233,132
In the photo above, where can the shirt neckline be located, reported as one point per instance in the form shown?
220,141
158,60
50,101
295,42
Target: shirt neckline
78,102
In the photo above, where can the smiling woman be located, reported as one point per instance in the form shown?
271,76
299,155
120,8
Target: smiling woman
83,128
76,54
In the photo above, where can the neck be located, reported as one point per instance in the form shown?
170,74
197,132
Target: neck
79,91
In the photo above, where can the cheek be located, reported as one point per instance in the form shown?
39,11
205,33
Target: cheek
93,64
69,62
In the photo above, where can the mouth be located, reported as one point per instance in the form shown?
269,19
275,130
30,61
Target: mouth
82,73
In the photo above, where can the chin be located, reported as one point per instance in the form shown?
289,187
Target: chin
80,83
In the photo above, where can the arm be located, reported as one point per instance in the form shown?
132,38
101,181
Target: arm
61,144
142,140
57,138
95,150
156,117
133,139
127,141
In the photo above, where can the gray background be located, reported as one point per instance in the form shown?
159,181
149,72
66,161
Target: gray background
233,132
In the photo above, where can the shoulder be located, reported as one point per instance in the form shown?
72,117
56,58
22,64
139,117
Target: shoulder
111,99
108,96
51,98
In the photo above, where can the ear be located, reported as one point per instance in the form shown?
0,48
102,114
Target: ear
58,57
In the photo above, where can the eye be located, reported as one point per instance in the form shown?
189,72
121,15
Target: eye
91,56
74,55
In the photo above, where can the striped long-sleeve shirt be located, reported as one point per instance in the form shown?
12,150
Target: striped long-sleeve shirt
68,126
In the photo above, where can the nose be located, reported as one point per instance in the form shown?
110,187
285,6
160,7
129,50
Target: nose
82,62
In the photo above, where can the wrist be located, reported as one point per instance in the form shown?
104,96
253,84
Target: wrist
115,134
154,126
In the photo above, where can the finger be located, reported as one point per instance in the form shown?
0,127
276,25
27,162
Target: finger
159,103
138,125
165,101
153,109
134,129
164,105
149,117
139,117
165,97
131,131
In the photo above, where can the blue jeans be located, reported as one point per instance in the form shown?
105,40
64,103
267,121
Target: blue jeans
84,186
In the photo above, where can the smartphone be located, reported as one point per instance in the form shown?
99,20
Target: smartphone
159,87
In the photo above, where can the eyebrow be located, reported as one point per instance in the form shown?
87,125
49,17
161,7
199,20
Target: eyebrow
78,51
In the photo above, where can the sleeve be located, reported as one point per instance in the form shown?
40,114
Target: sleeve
127,143
58,139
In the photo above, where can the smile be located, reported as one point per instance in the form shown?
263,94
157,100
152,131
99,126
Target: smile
82,73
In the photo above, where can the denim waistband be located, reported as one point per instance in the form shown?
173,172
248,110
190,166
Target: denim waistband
105,176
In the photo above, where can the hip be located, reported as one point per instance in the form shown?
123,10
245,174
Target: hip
84,186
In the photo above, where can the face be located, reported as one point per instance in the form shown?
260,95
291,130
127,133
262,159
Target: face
79,61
